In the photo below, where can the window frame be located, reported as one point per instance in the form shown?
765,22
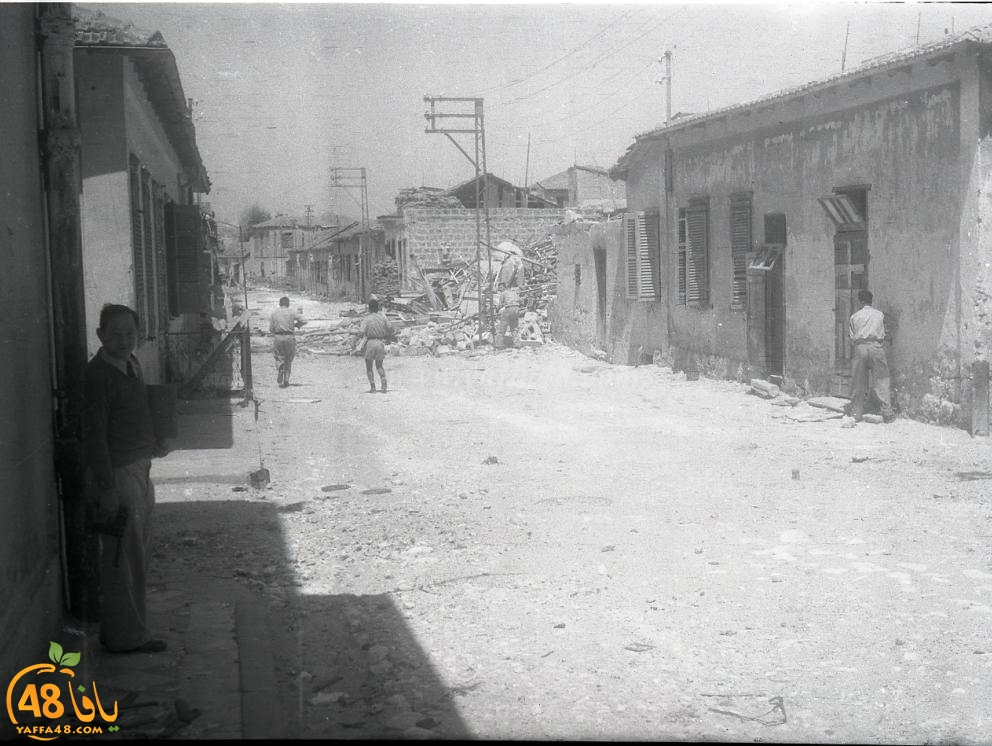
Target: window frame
642,253
697,252
741,224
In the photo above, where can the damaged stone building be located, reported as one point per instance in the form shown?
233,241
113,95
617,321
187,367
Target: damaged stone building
432,228
751,229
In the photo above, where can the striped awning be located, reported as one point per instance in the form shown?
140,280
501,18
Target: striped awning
842,211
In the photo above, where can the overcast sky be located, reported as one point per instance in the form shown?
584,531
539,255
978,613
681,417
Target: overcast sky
284,92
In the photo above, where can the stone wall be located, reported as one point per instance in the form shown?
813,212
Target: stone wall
436,233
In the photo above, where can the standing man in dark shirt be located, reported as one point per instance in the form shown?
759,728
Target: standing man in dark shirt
283,325
119,442
377,331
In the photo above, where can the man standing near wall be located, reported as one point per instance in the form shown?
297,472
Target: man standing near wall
867,332
120,442
283,325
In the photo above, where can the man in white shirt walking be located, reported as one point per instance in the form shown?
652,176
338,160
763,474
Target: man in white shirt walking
867,332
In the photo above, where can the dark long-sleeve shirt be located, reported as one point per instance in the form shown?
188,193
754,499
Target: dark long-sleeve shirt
117,421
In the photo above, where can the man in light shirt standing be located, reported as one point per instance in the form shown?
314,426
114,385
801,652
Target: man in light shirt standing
867,332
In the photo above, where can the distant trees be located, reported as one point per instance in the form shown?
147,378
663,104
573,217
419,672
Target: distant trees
254,215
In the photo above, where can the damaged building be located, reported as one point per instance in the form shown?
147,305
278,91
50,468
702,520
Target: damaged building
751,229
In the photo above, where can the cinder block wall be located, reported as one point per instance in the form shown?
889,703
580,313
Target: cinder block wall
434,232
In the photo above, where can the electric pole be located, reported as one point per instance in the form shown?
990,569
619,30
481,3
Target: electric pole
458,110
348,179
667,78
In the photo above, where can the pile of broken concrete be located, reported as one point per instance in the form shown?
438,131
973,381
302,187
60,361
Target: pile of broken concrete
816,409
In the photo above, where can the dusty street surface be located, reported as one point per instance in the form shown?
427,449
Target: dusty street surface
533,544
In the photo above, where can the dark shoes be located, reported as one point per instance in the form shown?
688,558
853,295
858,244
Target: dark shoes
372,390
888,418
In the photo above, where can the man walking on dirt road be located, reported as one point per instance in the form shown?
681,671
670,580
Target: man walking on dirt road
283,325
377,331
867,331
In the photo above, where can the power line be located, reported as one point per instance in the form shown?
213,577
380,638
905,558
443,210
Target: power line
595,62
565,56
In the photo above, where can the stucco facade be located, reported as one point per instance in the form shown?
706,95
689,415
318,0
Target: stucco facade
133,176
905,142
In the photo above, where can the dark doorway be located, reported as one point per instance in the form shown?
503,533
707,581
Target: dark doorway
848,209
599,255
766,312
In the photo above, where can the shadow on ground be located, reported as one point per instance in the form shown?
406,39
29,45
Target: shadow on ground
343,666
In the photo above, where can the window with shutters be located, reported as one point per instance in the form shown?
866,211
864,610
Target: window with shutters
740,245
150,311
138,263
287,239
683,245
697,253
642,243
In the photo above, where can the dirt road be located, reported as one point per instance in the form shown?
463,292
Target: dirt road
533,544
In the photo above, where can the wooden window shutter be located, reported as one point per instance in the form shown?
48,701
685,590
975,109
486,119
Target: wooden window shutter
630,244
150,311
161,271
697,261
138,249
186,235
641,242
648,236
682,243
740,245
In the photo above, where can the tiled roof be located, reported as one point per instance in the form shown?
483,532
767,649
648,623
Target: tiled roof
329,238
977,34
157,67
94,28
561,180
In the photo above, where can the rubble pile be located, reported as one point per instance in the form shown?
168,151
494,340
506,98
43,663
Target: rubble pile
444,319
425,197
386,278
541,283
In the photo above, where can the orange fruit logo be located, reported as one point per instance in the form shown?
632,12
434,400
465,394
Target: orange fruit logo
39,708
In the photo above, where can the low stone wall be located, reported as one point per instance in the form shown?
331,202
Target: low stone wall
433,234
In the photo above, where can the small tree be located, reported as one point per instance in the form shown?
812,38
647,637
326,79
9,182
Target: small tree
254,215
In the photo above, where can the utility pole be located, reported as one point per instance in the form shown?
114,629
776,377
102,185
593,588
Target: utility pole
843,57
457,110
527,169
355,178
667,78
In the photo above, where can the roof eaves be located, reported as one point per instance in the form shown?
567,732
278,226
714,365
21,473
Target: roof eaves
980,34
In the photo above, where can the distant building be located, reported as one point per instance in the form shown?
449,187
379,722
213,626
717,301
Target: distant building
496,192
431,227
269,245
584,189
339,261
